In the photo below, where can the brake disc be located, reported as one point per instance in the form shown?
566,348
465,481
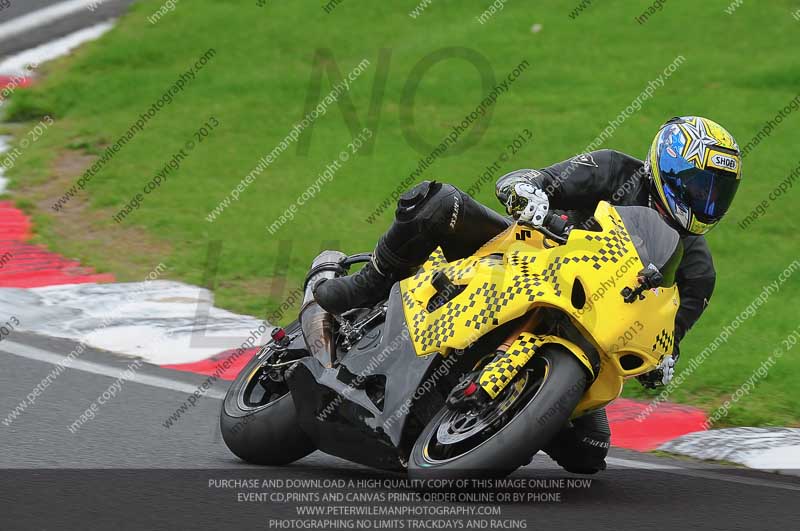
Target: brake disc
457,426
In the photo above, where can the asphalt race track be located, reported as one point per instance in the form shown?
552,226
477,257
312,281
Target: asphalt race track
153,475
54,29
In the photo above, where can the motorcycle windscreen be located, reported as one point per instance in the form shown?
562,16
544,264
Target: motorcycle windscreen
657,243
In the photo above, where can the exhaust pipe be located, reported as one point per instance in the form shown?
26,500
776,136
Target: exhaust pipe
316,323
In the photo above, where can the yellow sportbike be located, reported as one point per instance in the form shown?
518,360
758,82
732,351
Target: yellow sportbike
547,321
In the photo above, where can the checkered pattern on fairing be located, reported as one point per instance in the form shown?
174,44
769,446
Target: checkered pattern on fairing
421,279
521,260
481,311
499,373
665,340
462,269
441,329
436,259
550,274
613,246
418,317
489,299
424,273
455,271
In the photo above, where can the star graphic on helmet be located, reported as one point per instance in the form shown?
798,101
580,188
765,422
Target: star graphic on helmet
698,140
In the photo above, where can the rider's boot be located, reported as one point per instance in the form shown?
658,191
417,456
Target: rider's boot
582,445
364,289
402,249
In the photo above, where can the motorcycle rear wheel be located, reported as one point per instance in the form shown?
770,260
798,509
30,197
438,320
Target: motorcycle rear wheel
505,436
259,422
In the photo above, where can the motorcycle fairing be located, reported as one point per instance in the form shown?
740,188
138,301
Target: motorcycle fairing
340,416
516,272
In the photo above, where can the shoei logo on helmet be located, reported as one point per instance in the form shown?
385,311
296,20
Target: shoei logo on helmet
724,162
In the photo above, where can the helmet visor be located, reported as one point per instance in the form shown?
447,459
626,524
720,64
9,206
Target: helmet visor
708,193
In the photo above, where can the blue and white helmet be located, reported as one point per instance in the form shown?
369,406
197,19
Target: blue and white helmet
696,167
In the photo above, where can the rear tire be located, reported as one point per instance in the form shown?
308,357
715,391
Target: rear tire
525,427
262,433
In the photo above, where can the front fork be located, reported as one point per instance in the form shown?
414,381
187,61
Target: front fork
516,351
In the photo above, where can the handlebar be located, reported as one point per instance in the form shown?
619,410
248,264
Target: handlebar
347,261
555,227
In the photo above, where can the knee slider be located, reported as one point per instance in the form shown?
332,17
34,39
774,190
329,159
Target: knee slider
410,203
436,208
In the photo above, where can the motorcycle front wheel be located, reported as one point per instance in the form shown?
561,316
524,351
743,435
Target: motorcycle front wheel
258,418
510,431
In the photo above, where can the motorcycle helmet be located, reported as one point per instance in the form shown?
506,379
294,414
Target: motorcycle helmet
695,167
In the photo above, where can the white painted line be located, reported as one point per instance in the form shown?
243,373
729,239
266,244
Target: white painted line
22,24
708,474
3,148
33,353
17,65
633,463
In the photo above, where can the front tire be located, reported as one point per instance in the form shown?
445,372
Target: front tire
528,414
259,422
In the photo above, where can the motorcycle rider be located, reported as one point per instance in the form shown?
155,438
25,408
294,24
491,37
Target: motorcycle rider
690,176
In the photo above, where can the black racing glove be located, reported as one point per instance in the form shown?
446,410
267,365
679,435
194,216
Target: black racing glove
660,376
